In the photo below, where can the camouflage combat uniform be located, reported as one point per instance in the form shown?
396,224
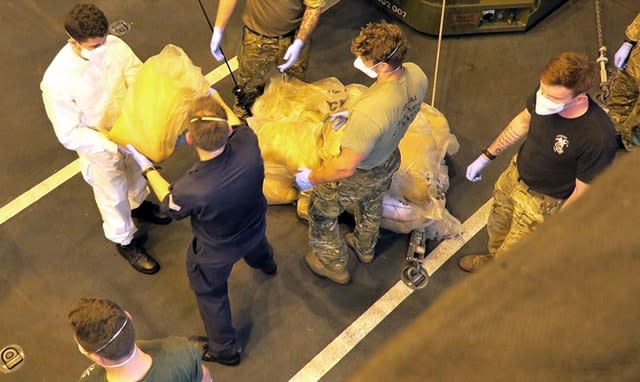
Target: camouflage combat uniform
374,127
362,192
269,29
516,210
624,101
557,152
259,55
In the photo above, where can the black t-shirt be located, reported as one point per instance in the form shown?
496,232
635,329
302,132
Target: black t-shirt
174,359
223,196
558,150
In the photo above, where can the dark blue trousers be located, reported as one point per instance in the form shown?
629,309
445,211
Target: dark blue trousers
208,277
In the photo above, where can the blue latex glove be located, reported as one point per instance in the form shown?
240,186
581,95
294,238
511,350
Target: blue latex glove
621,55
216,39
302,179
338,119
142,160
474,170
291,56
181,140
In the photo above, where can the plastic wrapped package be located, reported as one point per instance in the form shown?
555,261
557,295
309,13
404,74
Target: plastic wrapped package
402,216
423,149
289,120
278,185
341,100
157,105
399,210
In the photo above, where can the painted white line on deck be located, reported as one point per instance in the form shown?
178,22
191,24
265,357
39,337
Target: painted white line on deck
35,193
363,325
221,71
67,172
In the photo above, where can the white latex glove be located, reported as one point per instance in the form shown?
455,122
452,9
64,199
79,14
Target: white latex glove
142,160
621,55
216,39
291,56
123,150
338,119
302,179
474,170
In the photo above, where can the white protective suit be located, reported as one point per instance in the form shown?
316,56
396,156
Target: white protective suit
83,99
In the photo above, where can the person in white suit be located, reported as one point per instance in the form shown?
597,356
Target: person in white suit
83,89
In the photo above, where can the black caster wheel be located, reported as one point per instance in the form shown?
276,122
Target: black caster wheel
415,277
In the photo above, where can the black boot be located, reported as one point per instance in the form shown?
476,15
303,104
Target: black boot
229,357
138,257
270,268
150,213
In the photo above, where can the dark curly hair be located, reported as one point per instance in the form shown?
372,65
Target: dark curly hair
95,321
85,21
380,41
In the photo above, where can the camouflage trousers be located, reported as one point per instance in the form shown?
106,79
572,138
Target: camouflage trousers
624,103
516,211
362,192
259,55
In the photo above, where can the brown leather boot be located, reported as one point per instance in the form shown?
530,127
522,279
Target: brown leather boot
339,276
471,263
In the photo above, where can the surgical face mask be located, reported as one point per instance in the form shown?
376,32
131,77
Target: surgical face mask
545,106
359,64
95,55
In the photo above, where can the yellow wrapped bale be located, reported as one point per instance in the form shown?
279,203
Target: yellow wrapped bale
157,105
289,122
423,149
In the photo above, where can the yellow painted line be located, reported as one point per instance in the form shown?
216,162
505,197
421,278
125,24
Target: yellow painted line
363,325
59,177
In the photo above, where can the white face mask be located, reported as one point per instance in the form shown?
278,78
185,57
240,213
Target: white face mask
545,106
359,64
95,55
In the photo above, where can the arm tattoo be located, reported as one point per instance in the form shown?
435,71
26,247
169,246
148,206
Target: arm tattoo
515,132
506,139
308,23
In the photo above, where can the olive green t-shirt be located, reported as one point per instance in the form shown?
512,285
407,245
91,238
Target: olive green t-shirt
380,118
174,359
276,18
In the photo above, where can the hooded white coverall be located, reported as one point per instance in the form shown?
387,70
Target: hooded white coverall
83,99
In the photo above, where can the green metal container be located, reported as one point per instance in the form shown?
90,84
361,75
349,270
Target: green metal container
470,16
